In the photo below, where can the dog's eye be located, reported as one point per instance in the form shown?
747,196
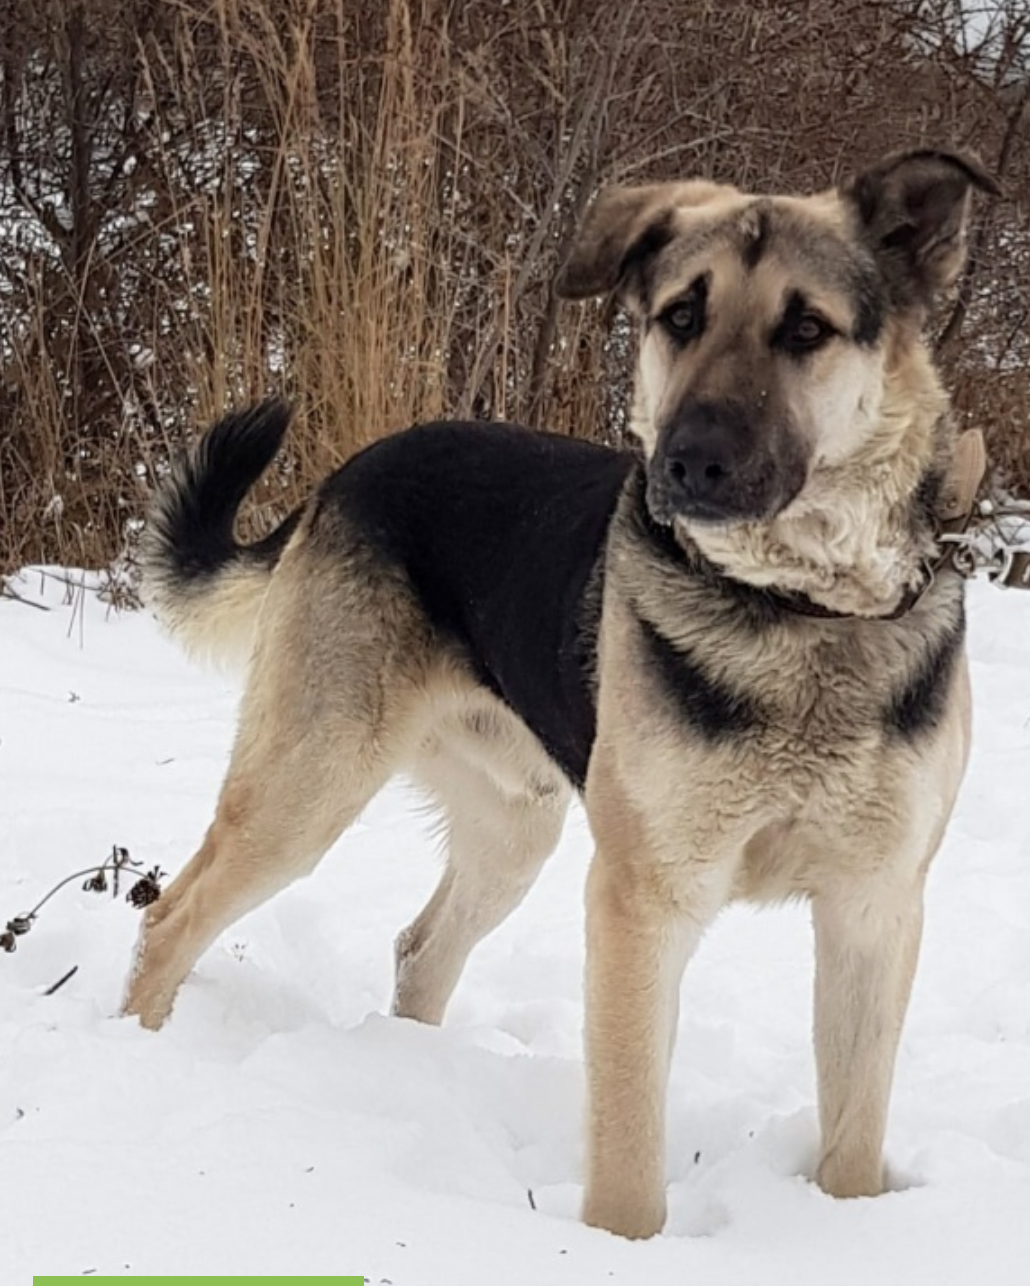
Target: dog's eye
806,332
683,319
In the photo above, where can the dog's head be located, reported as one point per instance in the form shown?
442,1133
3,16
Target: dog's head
766,321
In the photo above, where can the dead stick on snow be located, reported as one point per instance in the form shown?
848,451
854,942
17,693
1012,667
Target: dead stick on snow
61,981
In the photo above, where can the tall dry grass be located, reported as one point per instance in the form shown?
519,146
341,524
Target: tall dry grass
359,204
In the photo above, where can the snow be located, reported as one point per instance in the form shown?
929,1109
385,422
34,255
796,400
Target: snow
281,1124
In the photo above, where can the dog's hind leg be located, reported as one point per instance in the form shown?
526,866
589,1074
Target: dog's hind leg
323,724
280,810
499,834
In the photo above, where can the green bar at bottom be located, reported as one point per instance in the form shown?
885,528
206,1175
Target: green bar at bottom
246,1277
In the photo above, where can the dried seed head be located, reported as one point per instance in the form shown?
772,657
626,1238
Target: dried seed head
146,890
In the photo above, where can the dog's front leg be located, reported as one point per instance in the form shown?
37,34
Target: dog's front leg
644,920
636,953
867,944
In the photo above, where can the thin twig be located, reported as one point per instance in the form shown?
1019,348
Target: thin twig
61,981
7,592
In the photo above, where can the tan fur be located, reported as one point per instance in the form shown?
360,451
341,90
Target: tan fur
344,692
215,625
348,684
219,627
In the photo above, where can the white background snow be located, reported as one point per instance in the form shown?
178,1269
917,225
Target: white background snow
281,1123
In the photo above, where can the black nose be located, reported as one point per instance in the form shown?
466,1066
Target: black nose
700,458
697,470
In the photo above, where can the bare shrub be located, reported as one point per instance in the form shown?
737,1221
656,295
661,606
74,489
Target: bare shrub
360,204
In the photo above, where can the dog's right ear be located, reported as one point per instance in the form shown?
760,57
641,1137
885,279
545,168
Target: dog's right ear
622,229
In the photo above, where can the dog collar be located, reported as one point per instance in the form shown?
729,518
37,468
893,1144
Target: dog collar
805,606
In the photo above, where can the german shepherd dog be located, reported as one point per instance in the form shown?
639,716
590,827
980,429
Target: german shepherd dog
730,643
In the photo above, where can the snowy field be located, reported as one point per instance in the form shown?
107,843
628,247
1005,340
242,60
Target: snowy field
281,1123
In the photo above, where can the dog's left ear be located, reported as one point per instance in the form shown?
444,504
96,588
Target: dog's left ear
913,208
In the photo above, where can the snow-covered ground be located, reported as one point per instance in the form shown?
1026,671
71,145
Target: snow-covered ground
280,1123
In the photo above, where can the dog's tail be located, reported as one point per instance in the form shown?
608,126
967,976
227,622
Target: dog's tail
204,588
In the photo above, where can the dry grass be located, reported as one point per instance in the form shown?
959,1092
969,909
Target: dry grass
360,204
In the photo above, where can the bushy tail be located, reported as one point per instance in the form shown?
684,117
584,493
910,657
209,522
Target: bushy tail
204,587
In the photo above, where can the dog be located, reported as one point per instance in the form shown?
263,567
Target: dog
739,643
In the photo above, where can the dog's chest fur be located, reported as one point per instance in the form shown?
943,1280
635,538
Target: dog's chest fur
747,727
740,664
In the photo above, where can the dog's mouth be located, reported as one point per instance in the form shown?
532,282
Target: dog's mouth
758,494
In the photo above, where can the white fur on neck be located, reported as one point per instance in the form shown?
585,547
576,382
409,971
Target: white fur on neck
853,555
848,541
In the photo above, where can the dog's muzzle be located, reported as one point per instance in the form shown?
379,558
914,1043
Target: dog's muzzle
710,466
